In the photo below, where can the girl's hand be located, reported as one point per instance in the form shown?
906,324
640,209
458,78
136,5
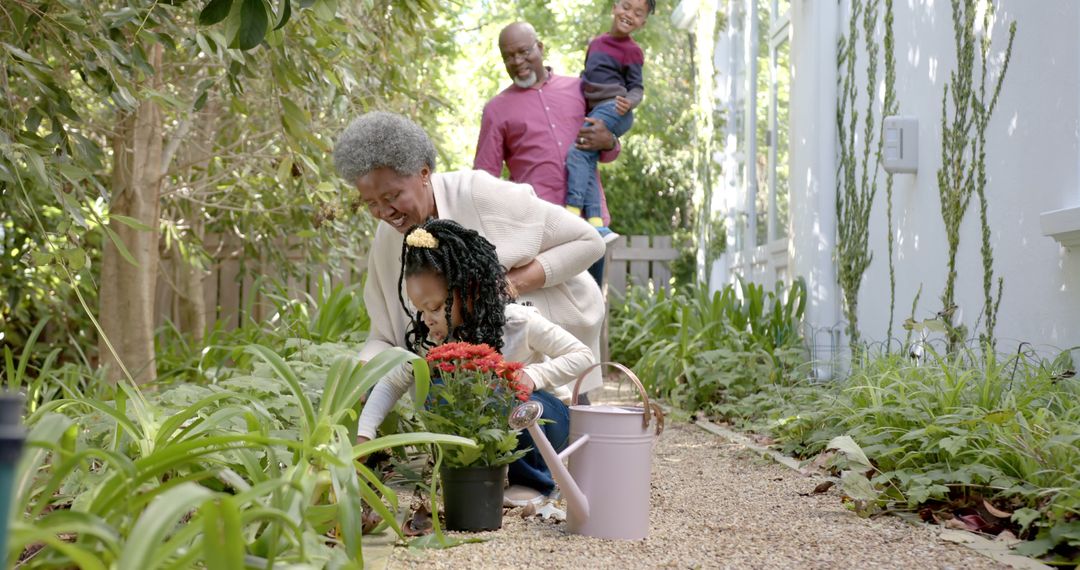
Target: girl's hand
622,104
527,384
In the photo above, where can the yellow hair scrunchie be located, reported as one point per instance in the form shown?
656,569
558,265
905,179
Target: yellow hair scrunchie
422,238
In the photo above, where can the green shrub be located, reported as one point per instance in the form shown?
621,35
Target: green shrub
949,432
707,352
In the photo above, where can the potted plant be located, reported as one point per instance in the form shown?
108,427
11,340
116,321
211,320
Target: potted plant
472,392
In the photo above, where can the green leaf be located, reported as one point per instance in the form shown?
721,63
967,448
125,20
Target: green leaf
214,12
415,438
131,222
857,486
76,258
1025,516
223,539
286,13
253,24
23,534
1035,548
844,444
43,435
119,244
434,541
286,374
348,493
953,445
158,521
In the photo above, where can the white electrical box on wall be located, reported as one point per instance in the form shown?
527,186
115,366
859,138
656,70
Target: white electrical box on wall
900,148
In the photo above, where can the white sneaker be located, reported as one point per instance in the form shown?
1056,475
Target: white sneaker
610,237
520,495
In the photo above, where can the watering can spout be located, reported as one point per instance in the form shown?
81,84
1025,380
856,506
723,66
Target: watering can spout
524,416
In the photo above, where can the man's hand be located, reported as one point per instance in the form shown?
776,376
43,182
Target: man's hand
622,104
595,136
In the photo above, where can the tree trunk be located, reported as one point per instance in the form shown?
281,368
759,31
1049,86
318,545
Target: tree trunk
127,290
190,282
191,279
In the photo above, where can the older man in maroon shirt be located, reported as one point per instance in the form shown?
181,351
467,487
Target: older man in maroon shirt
531,124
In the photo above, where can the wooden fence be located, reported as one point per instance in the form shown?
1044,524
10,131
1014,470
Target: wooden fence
639,260
237,286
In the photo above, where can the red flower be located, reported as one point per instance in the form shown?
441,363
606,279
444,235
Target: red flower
510,370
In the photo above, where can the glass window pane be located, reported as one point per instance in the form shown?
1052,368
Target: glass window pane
761,123
783,95
783,7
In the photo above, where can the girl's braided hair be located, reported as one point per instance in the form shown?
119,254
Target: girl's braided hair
468,263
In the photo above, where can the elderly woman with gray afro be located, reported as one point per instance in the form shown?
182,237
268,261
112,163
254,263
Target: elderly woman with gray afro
546,250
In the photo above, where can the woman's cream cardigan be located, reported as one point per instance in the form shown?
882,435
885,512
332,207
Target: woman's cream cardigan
522,227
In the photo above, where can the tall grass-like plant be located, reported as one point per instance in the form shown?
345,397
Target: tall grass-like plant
223,478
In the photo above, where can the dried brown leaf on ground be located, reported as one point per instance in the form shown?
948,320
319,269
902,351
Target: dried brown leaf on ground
990,508
822,487
419,521
369,520
761,439
1006,536
822,459
955,524
975,523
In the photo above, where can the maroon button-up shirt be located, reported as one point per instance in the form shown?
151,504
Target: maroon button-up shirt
531,130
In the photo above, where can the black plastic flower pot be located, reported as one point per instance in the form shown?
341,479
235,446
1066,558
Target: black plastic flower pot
473,497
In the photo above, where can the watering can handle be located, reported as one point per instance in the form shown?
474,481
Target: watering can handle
652,410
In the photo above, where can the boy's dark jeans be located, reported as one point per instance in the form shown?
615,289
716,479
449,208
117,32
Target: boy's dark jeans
582,189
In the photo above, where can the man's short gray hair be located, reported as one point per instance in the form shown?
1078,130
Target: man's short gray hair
382,140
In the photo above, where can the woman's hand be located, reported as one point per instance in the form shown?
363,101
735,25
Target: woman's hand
595,136
527,278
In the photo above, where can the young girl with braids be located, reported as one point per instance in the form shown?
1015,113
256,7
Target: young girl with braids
459,292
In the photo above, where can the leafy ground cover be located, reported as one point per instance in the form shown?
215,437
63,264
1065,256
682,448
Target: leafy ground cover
989,443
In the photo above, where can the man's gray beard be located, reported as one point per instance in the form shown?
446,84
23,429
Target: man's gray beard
527,82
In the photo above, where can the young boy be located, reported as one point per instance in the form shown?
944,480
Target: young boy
613,87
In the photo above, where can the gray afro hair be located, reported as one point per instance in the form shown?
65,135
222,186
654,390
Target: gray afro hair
382,140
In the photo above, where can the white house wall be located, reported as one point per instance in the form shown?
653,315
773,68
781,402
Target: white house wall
1033,166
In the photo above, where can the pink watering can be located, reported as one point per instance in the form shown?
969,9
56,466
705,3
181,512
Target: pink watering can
607,483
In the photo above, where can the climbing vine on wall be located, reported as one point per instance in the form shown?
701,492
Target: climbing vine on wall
857,186
890,107
966,108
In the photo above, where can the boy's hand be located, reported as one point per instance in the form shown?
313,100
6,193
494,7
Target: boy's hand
622,104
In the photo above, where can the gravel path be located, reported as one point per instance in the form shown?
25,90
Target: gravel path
715,505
